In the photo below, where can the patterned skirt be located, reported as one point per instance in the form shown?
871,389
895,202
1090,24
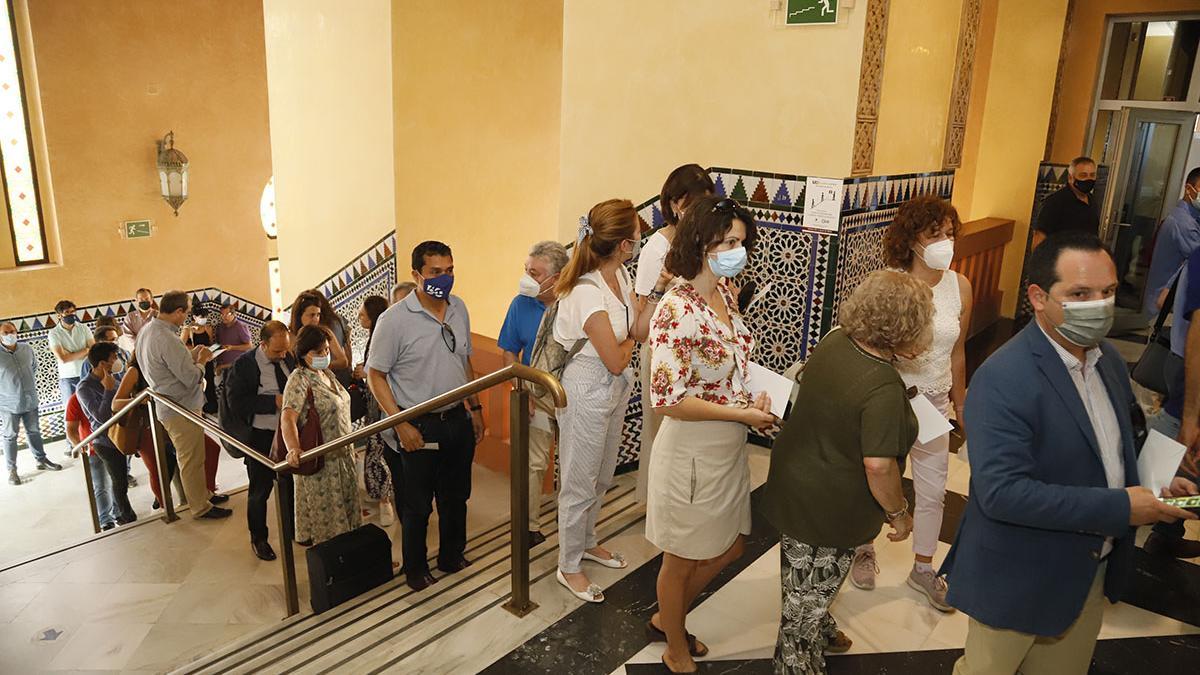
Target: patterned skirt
810,578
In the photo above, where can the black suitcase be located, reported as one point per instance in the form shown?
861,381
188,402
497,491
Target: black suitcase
348,565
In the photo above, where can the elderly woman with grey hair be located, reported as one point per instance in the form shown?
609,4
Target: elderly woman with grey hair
535,291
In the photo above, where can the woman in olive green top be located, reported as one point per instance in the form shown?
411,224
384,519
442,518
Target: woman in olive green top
835,467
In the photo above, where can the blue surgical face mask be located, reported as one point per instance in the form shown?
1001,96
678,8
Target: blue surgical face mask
438,287
728,263
320,362
69,319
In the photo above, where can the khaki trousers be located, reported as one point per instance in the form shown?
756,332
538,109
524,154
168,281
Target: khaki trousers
540,444
189,450
992,651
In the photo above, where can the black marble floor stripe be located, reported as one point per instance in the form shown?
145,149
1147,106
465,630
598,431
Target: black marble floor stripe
1173,655
597,638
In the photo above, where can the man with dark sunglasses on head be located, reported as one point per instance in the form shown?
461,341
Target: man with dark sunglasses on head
421,348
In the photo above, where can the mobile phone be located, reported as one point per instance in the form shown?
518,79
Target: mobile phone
1190,503
431,446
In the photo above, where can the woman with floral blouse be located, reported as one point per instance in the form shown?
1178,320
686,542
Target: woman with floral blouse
698,506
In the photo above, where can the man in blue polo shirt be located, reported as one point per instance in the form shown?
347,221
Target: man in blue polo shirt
546,259
421,348
1177,237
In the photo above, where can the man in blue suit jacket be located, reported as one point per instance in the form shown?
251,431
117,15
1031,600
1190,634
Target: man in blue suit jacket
1048,530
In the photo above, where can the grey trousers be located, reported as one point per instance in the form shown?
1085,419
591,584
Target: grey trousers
589,439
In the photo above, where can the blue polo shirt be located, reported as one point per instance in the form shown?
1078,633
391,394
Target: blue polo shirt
521,326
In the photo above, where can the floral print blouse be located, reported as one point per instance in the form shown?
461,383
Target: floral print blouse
694,353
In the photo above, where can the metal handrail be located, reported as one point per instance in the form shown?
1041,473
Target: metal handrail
518,461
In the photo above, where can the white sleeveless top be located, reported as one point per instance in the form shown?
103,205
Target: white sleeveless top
930,372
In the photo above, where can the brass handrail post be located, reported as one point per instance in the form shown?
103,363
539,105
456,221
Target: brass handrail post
91,489
287,559
518,468
160,456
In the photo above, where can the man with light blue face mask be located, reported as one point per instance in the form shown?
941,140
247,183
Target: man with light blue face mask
1049,530
1178,236
421,348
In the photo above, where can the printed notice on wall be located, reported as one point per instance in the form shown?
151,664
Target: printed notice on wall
823,203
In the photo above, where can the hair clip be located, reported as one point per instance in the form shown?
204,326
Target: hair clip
585,228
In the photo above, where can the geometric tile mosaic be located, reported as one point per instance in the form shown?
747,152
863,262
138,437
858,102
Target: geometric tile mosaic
809,271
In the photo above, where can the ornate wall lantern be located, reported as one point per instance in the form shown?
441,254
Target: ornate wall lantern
172,172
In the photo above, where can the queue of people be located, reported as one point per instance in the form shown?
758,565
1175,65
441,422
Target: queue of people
1047,535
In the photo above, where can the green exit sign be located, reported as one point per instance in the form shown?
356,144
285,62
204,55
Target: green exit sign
810,12
137,229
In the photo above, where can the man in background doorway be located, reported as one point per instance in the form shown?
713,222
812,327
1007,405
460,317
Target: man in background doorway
144,311
1070,209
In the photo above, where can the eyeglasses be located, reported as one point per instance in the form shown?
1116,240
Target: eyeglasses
448,337
726,205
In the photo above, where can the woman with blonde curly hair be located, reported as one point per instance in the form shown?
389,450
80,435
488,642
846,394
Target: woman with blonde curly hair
835,467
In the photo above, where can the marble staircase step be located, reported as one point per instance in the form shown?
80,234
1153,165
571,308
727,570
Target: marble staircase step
394,619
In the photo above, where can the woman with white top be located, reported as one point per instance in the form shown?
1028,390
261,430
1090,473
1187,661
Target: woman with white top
595,304
683,186
920,241
698,509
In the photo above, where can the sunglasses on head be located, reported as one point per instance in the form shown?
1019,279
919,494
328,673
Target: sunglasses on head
729,205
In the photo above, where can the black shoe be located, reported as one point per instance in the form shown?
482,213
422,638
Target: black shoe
535,538
131,481
156,505
263,549
217,512
420,581
13,478
306,543
126,521
456,566
1159,544
218,499
107,526
48,465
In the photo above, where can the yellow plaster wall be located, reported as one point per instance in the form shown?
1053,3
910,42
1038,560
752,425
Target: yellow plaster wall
329,77
918,73
113,77
477,92
1011,136
648,86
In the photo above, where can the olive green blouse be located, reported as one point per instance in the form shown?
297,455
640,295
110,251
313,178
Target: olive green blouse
850,405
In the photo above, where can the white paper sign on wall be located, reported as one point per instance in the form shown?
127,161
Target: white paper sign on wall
823,203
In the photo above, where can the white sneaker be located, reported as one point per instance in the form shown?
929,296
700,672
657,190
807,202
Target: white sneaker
932,586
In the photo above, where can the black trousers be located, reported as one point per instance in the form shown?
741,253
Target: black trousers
261,481
422,477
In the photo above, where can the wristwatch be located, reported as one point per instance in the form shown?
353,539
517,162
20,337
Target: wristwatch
656,295
891,517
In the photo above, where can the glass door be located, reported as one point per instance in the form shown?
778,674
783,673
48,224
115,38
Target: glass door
1148,161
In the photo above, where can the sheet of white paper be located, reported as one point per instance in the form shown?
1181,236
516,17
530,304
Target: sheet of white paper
1159,460
930,422
778,387
540,420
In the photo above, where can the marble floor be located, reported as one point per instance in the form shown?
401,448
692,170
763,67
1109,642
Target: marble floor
49,510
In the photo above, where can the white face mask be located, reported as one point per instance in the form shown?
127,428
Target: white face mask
529,287
118,367
939,254
8,339
201,320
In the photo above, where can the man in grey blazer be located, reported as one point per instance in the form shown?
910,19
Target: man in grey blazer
1054,498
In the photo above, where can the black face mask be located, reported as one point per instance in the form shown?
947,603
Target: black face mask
144,305
69,319
1085,186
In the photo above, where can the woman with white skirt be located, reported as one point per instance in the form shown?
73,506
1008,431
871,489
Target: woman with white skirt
683,186
698,508
596,310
